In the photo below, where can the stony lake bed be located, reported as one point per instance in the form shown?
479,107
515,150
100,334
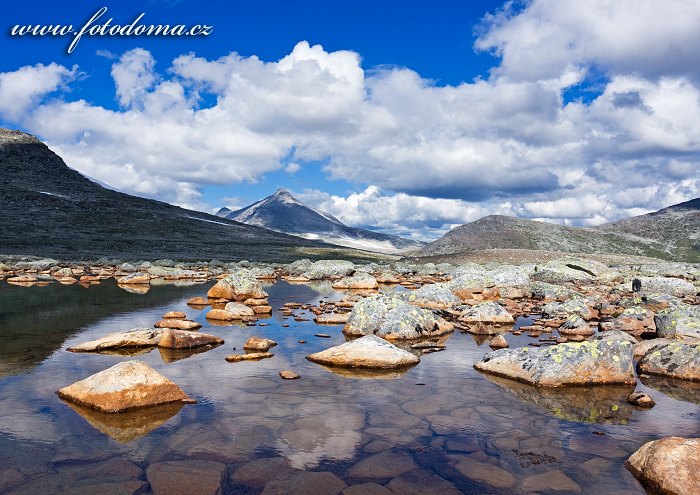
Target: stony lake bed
434,426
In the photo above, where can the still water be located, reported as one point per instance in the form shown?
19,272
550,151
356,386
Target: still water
437,427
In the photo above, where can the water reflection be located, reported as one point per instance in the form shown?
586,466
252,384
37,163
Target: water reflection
127,426
684,390
441,413
35,321
600,404
173,355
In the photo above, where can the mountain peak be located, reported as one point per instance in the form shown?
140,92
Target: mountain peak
281,192
284,213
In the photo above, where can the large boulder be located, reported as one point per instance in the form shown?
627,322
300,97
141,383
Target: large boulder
586,363
360,280
510,276
553,292
667,285
682,320
184,339
558,271
674,360
436,296
487,312
124,386
574,306
369,351
669,466
641,348
329,268
137,337
393,319
238,286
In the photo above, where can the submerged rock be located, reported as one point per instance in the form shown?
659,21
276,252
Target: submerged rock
670,466
124,386
674,360
585,363
394,319
369,351
138,337
305,482
190,476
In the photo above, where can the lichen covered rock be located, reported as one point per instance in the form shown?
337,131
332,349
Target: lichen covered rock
586,363
487,312
674,360
678,321
391,318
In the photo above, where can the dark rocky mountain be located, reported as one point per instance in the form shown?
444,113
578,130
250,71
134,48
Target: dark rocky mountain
284,213
49,209
672,233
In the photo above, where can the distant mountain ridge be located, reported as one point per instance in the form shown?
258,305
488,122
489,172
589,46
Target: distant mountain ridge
671,233
52,210
282,212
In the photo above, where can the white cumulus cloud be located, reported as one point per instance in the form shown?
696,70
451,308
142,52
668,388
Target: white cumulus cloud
423,156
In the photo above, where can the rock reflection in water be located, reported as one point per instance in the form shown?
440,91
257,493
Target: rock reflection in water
135,289
173,355
128,426
600,404
366,374
684,390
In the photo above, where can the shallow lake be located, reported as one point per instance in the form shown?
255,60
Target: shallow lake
440,418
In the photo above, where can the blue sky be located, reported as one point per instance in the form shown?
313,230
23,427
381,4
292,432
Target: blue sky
432,38
409,117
